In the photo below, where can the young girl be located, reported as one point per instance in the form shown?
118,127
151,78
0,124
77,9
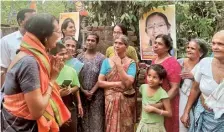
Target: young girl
68,91
152,117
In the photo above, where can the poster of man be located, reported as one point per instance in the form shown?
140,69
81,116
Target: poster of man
69,25
155,22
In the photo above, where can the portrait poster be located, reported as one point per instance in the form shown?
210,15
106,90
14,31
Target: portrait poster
155,22
75,17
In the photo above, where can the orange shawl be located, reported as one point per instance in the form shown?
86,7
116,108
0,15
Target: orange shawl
56,112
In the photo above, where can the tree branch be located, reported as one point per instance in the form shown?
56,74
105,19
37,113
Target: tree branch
218,16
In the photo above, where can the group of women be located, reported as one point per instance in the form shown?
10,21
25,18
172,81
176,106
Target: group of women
104,86
35,94
97,95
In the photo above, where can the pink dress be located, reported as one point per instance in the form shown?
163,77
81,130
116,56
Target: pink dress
173,70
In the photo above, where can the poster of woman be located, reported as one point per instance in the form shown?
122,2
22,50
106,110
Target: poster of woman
155,22
75,17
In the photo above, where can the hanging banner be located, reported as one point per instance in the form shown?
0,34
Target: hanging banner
33,5
75,17
155,22
80,7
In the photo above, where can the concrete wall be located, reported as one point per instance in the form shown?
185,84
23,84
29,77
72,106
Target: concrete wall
106,36
105,33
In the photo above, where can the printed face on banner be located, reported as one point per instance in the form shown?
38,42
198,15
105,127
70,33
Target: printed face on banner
154,23
69,23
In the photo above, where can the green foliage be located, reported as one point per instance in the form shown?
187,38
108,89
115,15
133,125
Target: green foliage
52,7
9,11
104,13
196,19
11,8
193,18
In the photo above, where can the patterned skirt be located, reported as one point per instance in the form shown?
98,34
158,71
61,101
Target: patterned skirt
204,121
150,127
120,113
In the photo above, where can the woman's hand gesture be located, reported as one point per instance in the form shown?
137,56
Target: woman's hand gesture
88,94
56,65
149,108
64,92
185,119
186,75
118,86
80,110
116,59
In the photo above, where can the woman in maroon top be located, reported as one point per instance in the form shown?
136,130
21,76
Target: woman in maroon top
162,47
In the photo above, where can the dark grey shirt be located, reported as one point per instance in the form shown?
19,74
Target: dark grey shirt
22,77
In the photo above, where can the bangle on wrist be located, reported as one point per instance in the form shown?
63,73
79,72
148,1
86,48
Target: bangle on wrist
70,90
51,84
48,94
161,112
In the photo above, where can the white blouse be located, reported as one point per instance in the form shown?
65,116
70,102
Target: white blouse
203,75
187,83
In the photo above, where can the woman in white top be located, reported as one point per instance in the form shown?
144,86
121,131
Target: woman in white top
208,76
196,50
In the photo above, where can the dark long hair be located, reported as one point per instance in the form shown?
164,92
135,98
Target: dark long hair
167,41
57,49
159,69
41,25
94,34
123,28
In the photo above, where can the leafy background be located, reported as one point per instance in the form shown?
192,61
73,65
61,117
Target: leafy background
193,18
